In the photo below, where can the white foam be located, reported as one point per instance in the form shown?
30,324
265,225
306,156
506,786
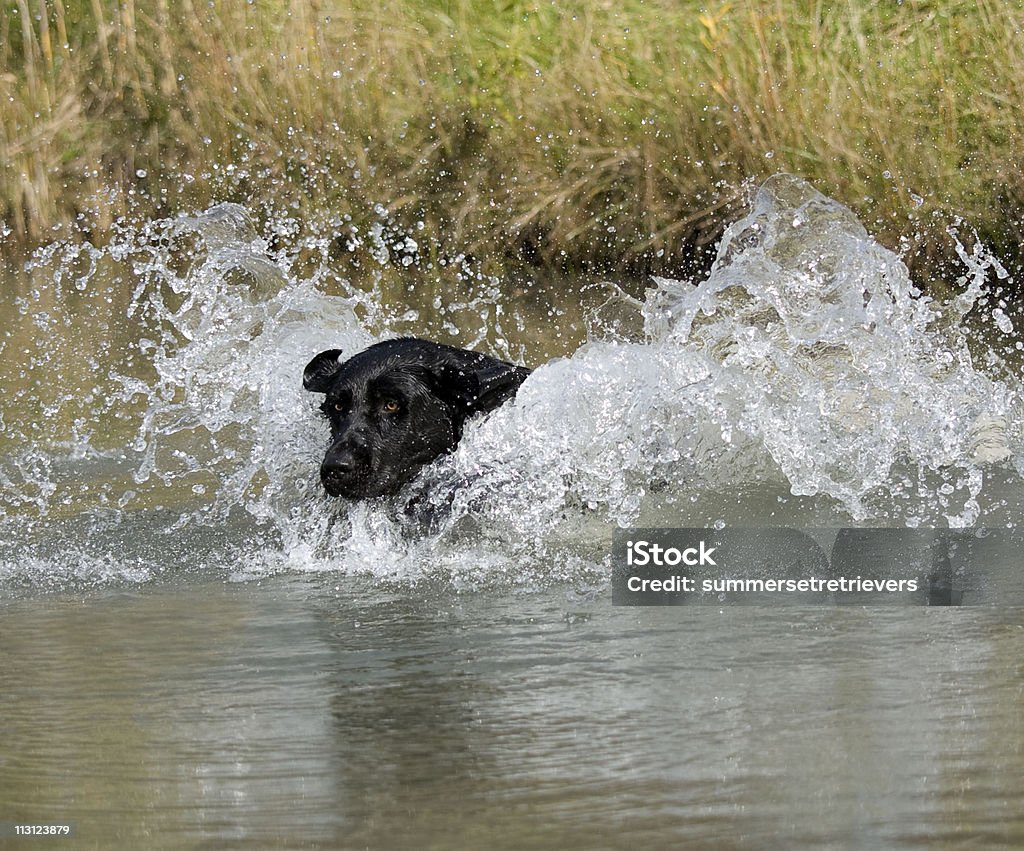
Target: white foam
805,378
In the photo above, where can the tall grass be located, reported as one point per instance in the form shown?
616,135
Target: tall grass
573,132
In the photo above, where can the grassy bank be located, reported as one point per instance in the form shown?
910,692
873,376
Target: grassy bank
610,133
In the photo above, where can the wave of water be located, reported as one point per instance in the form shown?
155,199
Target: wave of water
805,381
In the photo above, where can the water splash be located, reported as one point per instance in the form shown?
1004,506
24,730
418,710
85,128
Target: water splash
804,381
837,365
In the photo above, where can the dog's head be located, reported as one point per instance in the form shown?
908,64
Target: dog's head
398,405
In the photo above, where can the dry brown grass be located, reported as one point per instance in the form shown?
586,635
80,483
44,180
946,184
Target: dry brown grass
618,134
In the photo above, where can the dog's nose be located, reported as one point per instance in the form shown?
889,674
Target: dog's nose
342,468
337,469
347,463
339,464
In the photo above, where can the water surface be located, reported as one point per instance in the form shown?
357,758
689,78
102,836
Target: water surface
200,649
308,713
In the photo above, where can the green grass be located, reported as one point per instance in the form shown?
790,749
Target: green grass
613,134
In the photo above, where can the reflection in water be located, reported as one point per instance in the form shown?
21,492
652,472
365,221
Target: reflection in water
281,713
155,443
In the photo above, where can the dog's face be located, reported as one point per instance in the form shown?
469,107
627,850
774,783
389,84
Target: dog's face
397,406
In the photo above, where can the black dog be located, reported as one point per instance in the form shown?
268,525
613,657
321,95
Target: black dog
397,406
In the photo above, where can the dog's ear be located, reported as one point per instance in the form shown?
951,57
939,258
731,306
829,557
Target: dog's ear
316,377
475,383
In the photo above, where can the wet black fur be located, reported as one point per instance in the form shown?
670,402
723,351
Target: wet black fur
397,406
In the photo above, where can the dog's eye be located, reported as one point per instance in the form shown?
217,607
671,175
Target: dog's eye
390,407
338,406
